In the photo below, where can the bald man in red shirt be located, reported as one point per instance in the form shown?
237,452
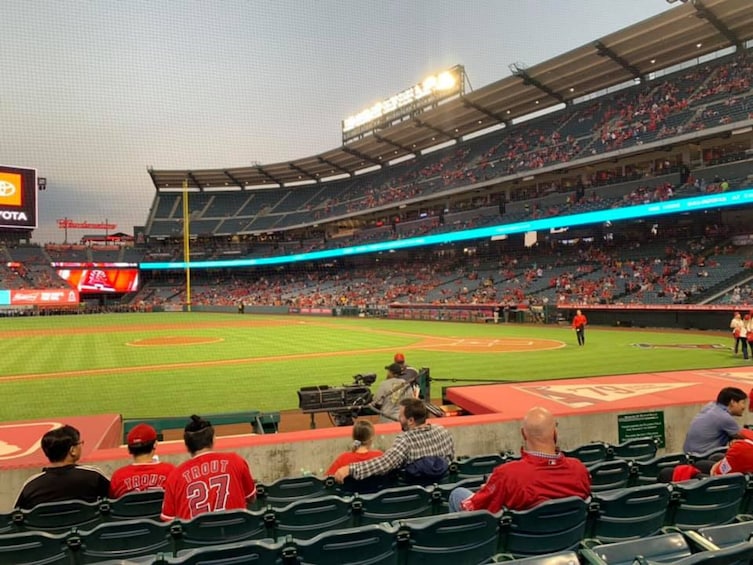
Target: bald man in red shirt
541,474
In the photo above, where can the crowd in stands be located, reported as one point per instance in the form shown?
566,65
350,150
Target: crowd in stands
656,109
220,483
667,267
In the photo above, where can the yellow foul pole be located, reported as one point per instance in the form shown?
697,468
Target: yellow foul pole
186,244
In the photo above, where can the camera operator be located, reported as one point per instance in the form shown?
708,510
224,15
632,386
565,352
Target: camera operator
399,384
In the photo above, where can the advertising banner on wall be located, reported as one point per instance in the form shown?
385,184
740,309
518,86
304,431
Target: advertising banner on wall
18,197
39,297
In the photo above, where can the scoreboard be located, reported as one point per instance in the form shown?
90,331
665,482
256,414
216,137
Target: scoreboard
18,197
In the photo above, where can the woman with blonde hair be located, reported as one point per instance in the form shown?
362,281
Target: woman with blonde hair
363,436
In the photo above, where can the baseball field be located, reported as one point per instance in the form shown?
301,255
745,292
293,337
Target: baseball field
173,364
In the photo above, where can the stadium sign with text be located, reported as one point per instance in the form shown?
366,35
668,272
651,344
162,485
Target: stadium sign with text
428,92
18,197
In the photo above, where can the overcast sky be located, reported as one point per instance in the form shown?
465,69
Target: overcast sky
95,92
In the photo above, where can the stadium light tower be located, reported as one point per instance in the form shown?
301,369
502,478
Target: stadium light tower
186,244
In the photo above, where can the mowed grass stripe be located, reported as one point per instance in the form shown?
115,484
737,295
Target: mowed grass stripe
263,375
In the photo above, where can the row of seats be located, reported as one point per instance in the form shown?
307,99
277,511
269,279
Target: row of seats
611,517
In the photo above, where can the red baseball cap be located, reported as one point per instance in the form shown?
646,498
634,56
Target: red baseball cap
399,358
141,434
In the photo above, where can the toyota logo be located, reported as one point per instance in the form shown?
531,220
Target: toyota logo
7,189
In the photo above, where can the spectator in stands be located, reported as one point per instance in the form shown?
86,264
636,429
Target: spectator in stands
422,451
146,472
715,425
363,436
392,391
209,481
542,473
737,459
63,478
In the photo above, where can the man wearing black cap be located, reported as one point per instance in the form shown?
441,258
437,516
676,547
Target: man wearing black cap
389,394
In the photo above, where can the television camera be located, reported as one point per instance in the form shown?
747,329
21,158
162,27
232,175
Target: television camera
342,403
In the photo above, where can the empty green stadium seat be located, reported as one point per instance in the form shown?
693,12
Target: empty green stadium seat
639,449
451,539
146,504
707,502
726,534
396,504
309,517
551,526
34,548
284,491
58,516
647,472
215,528
477,465
589,453
665,548
629,513
241,553
366,545
559,558
124,539
608,475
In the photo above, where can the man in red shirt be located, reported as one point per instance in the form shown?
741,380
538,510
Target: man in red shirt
579,325
209,481
146,472
542,473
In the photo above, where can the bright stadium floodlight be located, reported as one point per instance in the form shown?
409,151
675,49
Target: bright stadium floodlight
430,91
446,80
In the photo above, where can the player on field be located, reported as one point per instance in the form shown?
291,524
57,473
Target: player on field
208,482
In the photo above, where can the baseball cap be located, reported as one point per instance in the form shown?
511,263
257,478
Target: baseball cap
399,358
395,368
141,434
739,458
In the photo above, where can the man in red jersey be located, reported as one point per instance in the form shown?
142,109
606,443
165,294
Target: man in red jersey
209,481
579,325
542,473
146,472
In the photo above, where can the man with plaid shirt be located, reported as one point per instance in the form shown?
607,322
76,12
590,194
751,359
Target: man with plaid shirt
425,449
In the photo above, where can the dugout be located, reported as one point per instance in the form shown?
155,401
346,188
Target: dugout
676,316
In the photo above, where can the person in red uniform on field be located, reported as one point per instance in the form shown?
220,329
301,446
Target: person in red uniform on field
208,482
146,472
542,473
579,325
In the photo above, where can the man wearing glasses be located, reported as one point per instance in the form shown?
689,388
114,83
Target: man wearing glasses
63,478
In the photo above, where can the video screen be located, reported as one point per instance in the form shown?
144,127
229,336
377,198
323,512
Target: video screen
18,197
97,281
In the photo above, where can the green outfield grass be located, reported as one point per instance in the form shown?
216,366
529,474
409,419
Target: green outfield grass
73,365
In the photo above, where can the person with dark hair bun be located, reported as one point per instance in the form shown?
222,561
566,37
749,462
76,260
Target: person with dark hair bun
208,482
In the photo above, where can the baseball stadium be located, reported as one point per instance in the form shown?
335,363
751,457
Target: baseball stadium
459,229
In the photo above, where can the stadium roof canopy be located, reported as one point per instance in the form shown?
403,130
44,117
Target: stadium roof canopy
691,30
